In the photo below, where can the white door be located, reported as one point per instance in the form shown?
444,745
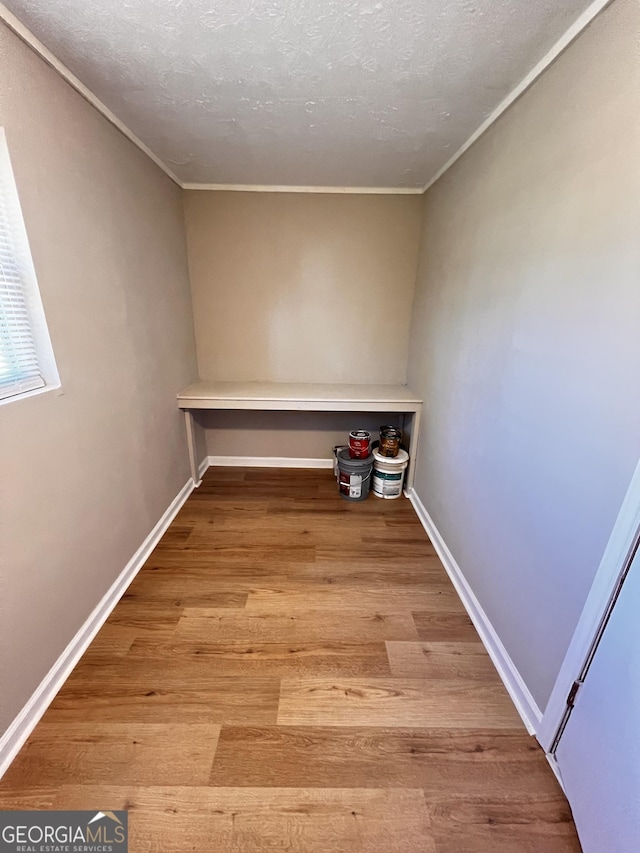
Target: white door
599,750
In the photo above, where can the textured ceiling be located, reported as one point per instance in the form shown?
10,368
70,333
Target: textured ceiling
376,93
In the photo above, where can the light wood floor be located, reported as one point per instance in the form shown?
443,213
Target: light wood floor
293,672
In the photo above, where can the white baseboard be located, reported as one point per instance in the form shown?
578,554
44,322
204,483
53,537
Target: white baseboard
511,678
19,730
202,467
268,462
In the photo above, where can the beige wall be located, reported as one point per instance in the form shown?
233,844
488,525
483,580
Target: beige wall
307,435
293,287
87,470
525,343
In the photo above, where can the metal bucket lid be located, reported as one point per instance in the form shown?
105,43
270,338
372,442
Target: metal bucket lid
400,459
344,460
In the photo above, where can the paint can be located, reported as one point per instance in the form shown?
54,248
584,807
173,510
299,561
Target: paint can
359,443
390,439
388,474
354,476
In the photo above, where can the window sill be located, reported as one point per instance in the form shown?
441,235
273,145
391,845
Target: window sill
34,393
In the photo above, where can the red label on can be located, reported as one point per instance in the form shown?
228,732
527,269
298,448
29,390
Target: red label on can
359,443
351,485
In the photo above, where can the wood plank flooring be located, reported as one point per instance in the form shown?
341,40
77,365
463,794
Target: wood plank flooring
293,672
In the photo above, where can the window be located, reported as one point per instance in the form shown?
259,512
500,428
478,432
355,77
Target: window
26,359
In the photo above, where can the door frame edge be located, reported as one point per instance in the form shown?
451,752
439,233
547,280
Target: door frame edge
624,535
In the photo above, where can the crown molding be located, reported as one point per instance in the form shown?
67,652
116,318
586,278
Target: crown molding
16,26
26,36
268,188
559,47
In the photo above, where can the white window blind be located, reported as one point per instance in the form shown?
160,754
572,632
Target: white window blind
20,307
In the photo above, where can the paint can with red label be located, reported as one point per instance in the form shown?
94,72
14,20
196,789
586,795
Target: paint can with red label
359,444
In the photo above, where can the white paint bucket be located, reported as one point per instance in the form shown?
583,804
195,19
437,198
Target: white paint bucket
388,474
